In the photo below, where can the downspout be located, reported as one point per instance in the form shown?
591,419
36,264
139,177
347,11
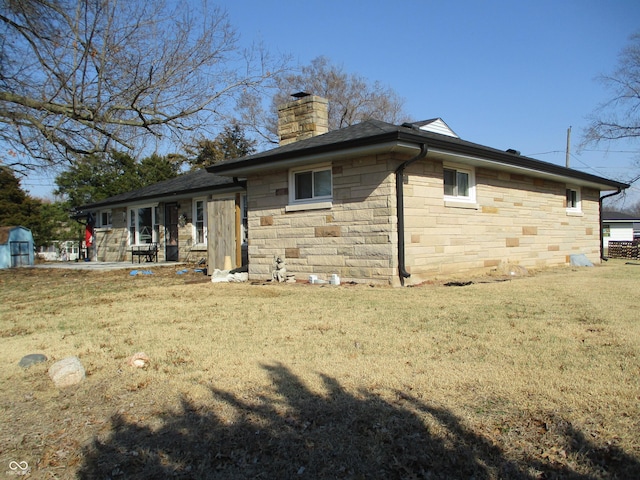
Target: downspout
239,183
600,214
402,271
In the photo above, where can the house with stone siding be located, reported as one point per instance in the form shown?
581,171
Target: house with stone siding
196,217
401,204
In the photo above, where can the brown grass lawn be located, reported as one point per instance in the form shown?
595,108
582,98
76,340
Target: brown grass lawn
535,377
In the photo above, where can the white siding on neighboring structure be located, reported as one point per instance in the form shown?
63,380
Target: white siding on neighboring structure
617,232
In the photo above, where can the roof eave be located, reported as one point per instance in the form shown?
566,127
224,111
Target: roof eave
229,187
407,139
320,157
530,167
526,164
361,146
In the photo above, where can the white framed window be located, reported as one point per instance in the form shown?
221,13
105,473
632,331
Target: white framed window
199,221
310,185
459,184
573,200
156,223
105,218
142,225
244,212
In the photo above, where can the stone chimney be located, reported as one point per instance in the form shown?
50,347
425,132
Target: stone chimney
305,117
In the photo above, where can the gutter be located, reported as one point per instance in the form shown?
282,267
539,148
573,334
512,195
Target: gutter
302,158
393,135
402,271
600,215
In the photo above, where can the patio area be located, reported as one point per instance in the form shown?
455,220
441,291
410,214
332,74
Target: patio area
104,266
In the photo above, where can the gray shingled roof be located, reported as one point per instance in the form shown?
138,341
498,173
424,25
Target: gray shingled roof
363,133
374,132
188,183
619,216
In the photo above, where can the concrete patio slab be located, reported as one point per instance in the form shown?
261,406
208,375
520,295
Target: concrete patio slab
104,266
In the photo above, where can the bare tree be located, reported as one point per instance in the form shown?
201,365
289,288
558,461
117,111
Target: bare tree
352,98
80,77
619,117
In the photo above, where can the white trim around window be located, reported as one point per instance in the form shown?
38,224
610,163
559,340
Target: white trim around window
199,222
459,183
244,214
105,219
573,200
141,224
311,186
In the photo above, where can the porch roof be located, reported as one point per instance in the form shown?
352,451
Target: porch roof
188,184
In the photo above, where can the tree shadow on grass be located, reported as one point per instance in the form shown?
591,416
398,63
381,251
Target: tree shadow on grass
300,434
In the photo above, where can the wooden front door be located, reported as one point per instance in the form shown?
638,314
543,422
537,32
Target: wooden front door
171,248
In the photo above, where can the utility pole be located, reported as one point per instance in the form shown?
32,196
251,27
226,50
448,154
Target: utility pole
568,146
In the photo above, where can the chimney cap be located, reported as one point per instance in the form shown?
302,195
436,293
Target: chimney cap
301,94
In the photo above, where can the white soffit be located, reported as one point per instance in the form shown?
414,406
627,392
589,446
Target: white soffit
483,162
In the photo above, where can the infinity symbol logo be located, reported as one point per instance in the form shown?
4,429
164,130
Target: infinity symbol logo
18,466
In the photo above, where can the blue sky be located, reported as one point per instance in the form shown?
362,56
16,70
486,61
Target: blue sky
507,74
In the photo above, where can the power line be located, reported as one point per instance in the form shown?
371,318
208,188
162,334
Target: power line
544,153
589,167
613,151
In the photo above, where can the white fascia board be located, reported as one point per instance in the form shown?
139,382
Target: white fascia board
483,162
303,160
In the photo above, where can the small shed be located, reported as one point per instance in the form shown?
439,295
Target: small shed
16,247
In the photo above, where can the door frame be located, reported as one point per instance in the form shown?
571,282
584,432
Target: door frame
171,252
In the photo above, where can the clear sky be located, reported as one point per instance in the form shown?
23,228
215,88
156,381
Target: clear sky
506,74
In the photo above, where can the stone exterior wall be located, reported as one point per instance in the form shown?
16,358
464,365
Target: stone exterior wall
517,219
113,242
354,238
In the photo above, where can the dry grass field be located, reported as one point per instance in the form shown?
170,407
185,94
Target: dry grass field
533,377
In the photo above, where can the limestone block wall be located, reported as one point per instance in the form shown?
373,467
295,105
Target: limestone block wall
111,242
517,219
355,238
